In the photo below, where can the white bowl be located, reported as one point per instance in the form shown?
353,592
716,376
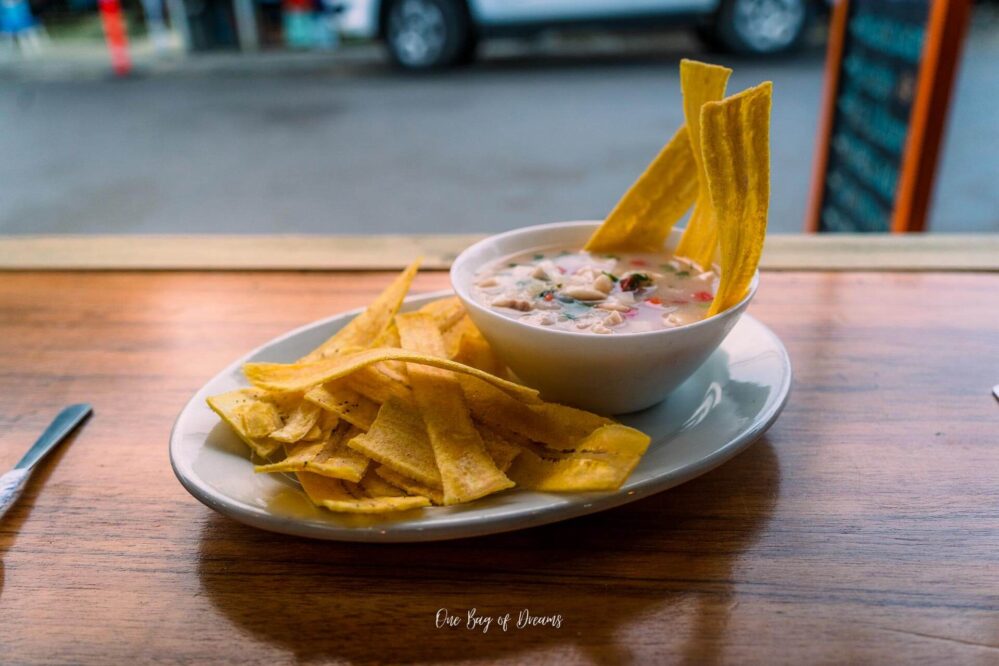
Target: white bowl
609,374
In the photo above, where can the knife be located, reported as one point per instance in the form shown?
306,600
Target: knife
13,482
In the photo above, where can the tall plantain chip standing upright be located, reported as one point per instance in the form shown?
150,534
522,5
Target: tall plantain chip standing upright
701,83
735,140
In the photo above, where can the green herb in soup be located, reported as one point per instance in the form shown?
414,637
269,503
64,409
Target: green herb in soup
597,293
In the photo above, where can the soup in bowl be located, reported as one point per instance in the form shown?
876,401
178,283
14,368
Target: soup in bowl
608,332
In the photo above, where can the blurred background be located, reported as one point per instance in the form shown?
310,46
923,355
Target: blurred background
409,116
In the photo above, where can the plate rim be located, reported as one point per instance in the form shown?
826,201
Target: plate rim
471,527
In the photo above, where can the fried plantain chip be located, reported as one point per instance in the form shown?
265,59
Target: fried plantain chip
501,450
251,415
300,423
366,327
601,461
343,497
344,402
398,440
388,338
331,457
467,471
375,486
701,83
376,504
465,344
371,382
557,426
643,218
303,376
736,143
412,487
446,312
314,434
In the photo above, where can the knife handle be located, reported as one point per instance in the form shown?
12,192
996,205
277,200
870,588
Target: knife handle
11,485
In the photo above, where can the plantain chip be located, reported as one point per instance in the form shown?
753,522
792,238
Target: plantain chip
701,83
466,469
388,338
552,424
375,486
371,382
251,416
736,142
398,440
303,376
411,486
331,457
344,402
300,424
643,218
344,497
500,449
368,326
465,344
600,461
446,312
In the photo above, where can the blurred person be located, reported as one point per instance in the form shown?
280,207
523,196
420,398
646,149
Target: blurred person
156,25
18,26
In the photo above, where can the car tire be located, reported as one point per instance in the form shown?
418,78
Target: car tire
424,35
759,27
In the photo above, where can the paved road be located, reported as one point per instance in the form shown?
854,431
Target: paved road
353,147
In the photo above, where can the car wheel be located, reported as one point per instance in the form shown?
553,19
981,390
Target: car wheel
428,34
761,27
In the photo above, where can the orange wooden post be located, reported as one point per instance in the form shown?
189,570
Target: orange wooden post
116,35
944,35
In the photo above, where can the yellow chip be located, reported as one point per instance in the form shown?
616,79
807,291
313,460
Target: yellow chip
452,336
467,471
388,338
314,434
371,382
446,312
344,497
366,327
331,457
601,461
642,220
375,486
251,416
701,83
376,504
257,416
502,451
411,486
556,426
465,344
327,422
736,145
299,424
303,376
398,439
345,403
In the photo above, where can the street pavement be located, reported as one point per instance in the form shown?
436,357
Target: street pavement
343,144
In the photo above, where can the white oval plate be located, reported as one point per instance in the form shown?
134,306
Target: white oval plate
729,402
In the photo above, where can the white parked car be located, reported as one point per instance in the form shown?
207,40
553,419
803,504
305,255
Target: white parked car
428,34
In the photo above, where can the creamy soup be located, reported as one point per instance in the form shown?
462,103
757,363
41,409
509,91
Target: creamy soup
596,292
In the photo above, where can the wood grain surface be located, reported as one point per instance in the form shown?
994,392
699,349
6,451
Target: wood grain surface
862,528
810,252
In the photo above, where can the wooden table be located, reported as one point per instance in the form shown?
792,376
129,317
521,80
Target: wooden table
862,528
